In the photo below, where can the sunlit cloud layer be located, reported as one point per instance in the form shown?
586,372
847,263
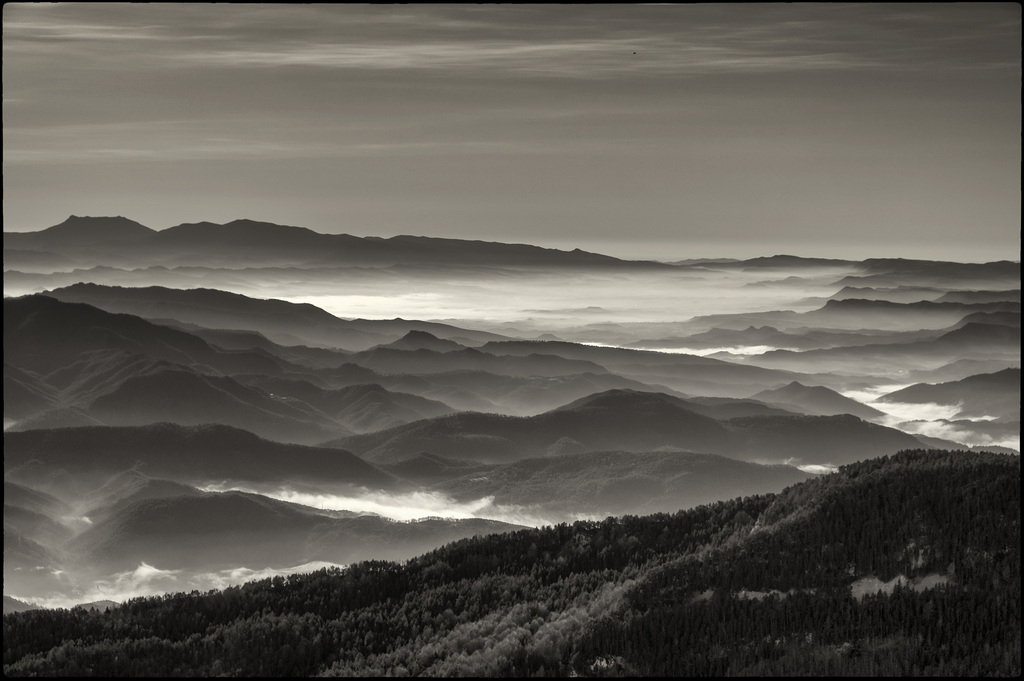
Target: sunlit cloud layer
744,350
414,506
623,297
926,411
819,469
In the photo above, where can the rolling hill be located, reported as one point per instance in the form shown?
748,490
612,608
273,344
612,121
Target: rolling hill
817,400
74,460
994,395
42,334
189,398
687,373
361,407
613,483
621,419
213,531
635,422
281,321
903,565
973,341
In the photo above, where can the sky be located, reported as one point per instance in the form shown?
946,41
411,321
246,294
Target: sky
663,131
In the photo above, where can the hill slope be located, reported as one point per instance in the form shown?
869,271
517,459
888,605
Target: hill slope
281,321
87,457
214,531
613,483
816,400
688,594
633,421
617,419
983,395
42,334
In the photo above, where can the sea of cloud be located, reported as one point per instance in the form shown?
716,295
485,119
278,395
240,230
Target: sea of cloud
559,300
929,418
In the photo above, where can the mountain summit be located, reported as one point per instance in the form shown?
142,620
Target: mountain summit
88,231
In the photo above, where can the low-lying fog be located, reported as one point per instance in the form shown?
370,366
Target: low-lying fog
546,302
511,301
606,307
930,419
148,579
412,506
151,580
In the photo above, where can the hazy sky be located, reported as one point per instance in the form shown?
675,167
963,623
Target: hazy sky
670,131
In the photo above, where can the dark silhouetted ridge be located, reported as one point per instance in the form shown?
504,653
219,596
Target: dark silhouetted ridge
183,453
86,230
422,340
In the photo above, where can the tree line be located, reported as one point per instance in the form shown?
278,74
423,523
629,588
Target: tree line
757,585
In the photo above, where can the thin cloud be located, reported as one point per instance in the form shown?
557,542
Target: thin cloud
51,32
567,58
588,42
928,411
641,42
185,141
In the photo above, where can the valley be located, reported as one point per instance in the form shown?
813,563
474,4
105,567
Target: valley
148,415
170,433
511,340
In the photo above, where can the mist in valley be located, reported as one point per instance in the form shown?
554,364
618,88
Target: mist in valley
624,303
515,339
413,506
148,580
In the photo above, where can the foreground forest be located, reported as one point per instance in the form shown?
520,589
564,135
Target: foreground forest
907,564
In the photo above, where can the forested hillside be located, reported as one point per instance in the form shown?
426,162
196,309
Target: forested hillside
907,564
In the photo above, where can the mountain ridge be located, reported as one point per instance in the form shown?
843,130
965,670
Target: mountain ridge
197,242
829,566
632,421
280,321
182,453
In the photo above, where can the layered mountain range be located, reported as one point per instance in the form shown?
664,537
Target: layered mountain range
179,415
831,567
113,241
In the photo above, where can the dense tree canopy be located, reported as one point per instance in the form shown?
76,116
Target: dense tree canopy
758,585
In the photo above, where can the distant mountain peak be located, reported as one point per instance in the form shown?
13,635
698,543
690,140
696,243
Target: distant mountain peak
100,240
416,339
816,399
246,223
116,227
416,334
621,397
